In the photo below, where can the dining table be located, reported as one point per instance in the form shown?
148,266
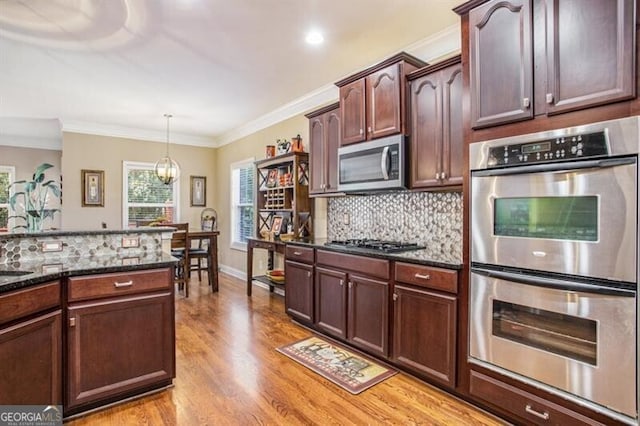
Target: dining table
211,236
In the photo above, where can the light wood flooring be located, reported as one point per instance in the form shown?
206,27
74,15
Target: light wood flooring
229,373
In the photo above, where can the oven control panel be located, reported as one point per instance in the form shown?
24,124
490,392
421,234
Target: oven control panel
564,148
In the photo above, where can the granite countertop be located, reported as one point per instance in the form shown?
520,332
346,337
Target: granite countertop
67,232
432,255
23,274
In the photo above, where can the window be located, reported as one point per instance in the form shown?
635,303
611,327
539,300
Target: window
241,203
6,178
146,199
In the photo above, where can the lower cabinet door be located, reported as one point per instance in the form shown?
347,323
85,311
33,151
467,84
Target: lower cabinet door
298,295
331,302
31,362
424,333
368,314
118,346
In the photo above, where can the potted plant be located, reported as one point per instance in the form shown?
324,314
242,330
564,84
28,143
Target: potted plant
30,203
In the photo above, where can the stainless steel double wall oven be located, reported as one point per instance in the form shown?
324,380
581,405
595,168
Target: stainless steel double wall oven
554,249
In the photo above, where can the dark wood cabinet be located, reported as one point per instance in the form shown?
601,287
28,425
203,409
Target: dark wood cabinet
535,58
31,359
368,313
119,345
298,295
425,321
352,299
590,57
424,333
437,141
373,101
31,346
501,62
324,135
529,408
331,302
353,112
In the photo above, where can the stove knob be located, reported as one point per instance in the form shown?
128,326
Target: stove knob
573,149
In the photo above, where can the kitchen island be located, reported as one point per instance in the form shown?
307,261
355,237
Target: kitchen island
86,317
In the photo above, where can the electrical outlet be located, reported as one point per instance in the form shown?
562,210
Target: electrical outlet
346,218
129,242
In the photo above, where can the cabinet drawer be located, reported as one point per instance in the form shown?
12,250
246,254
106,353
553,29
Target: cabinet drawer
21,303
427,276
301,254
365,265
523,404
108,285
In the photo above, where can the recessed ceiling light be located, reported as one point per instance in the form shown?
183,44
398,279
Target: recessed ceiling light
314,37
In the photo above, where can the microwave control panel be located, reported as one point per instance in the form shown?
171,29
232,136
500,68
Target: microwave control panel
564,148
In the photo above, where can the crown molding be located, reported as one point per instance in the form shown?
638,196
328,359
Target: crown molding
439,45
325,94
99,129
38,133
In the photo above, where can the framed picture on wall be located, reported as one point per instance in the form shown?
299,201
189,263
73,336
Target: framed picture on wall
92,188
198,191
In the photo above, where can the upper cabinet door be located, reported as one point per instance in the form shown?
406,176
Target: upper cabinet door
352,112
383,93
590,56
426,133
501,62
316,154
331,150
452,136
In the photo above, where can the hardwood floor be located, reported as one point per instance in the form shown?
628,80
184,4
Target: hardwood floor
228,372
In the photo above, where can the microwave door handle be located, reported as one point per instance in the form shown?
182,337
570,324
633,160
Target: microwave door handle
556,167
384,163
553,283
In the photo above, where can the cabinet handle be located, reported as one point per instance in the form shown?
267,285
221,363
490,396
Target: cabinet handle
341,282
544,415
395,297
526,103
369,129
125,284
297,253
549,98
308,274
437,176
424,277
361,131
350,284
72,322
443,176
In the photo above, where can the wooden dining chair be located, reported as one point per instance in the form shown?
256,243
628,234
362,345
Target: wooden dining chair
198,255
179,250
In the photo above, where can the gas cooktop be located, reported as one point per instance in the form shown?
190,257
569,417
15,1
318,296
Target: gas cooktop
375,245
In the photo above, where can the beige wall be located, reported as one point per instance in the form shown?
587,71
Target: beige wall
25,161
253,146
81,151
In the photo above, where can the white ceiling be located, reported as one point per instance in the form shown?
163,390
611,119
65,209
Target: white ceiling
116,66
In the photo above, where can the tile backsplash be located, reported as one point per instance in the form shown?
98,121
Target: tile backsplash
429,218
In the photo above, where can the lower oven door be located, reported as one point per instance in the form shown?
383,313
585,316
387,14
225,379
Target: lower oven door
576,343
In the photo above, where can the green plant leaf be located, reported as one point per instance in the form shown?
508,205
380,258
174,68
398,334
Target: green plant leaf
14,199
17,182
30,187
49,213
38,175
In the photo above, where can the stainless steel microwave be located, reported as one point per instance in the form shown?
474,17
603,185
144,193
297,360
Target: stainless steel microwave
372,166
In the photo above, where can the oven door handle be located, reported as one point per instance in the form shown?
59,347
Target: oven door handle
554,283
556,167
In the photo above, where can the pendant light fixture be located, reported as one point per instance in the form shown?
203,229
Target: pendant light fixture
167,170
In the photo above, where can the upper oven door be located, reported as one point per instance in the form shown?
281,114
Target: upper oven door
577,218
